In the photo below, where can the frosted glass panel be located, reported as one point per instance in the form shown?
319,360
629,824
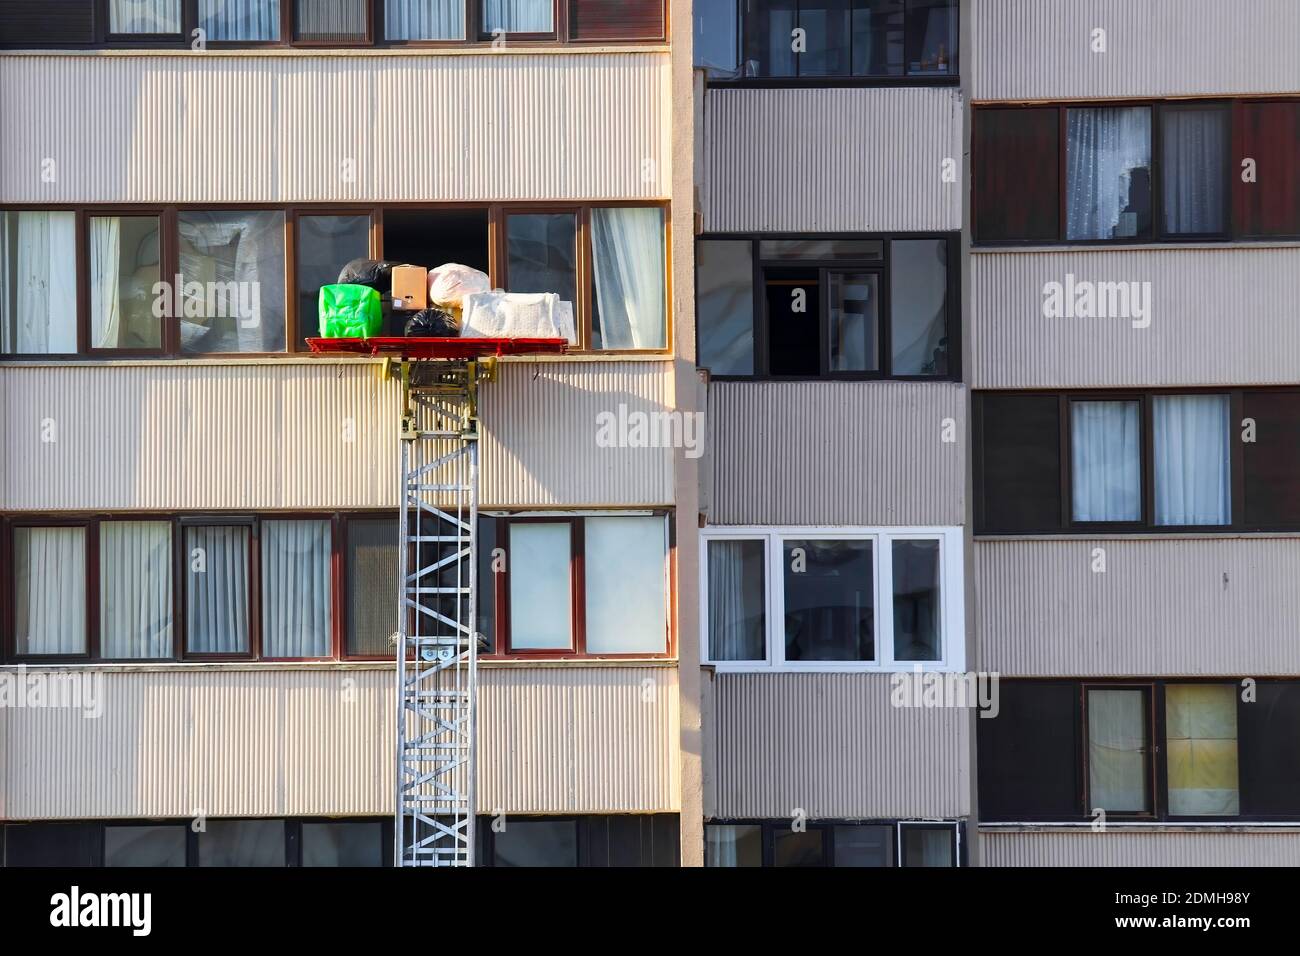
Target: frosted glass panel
538,567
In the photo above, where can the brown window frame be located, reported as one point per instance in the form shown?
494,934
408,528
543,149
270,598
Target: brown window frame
1150,751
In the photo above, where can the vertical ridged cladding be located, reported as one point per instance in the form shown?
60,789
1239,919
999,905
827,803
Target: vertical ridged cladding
274,742
816,160
1213,606
1042,49
1217,317
510,126
837,453
834,746
175,436
1125,847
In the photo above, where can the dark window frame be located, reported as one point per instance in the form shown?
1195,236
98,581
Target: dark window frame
768,828
1149,727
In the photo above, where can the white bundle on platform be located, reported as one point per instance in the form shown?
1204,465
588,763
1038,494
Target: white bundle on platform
518,315
450,283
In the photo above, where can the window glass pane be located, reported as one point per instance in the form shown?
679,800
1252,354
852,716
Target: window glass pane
872,250
541,252
331,21
769,30
216,590
518,16
737,615
1108,172
627,584
1193,463
342,844
50,590
794,339
826,37
927,846
242,843
1194,157
38,283
829,601
864,846
877,37
51,844
1117,749
232,264
144,16
144,846
917,615
733,845
538,568
372,585
724,271
1201,738
297,596
536,843
325,245
794,848
717,37
918,306
629,304
1105,449
123,270
243,20
931,37
424,20
854,303
135,589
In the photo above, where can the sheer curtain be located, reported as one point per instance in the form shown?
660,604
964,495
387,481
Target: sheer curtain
297,599
105,281
626,558
135,589
628,254
1201,731
38,287
216,600
424,19
1105,149
49,590
245,20
1106,465
518,16
737,621
1192,460
1194,153
144,16
1117,751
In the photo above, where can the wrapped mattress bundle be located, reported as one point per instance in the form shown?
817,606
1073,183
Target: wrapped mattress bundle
450,283
518,315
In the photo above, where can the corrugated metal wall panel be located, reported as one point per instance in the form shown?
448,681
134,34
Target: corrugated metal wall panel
1042,49
833,746
221,127
816,160
1218,317
837,453
185,436
273,742
1125,847
1189,606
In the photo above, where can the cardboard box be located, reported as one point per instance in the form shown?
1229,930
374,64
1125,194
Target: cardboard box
410,287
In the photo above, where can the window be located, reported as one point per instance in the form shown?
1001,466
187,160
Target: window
123,265
232,267
342,844
49,591
424,20
595,585
829,843
372,589
1201,749
1108,173
38,283
1105,448
1119,750
135,590
325,244
528,17
629,304
728,845
331,22
144,846
815,308
863,846
144,17
1193,462
1194,159
536,843
243,843
246,21
799,847
217,590
297,595
928,846
831,583
542,254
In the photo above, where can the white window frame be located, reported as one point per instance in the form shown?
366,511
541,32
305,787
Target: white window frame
952,612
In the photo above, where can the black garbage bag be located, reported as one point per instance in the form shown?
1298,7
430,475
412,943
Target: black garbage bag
375,273
432,324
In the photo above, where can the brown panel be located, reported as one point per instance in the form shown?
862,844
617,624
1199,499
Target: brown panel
1268,133
1018,448
1016,185
616,19
49,23
1272,460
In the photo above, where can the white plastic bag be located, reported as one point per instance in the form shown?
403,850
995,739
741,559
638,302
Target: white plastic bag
450,283
517,315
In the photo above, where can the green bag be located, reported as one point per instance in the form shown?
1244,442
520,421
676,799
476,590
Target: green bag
349,312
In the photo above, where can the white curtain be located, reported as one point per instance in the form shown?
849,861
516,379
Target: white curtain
1195,146
1201,732
105,281
334,20
50,590
518,16
297,597
1117,751
144,16
1193,463
628,254
1106,466
244,20
627,584
1104,149
737,621
424,19
216,606
135,589
38,287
